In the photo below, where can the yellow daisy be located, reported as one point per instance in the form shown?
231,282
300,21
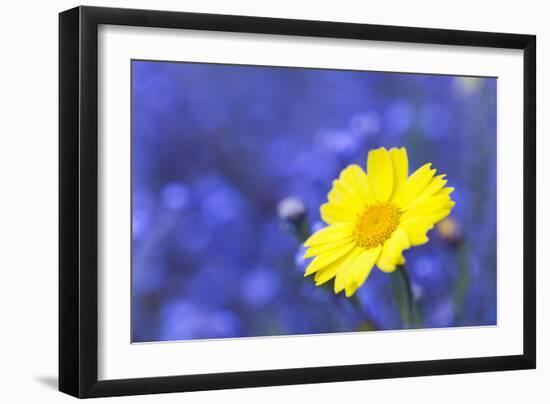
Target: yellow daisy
372,217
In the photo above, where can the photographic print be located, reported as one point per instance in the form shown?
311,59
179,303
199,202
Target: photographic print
272,201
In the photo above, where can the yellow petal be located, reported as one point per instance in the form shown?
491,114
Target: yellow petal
330,233
351,288
333,213
440,215
347,189
414,185
400,163
445,191
325,274
348,196
430,207
351,184
324,248
417,229
435,185
360,270
345,268
324,259
401,260
340,194
392,250
330,271
380,173
357,179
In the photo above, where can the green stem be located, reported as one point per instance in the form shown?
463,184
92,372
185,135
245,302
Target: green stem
302,230
462,282
402,291
408,286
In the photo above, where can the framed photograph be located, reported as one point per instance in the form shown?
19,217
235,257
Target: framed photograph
252,201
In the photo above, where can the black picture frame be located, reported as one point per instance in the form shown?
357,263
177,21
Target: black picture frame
78,201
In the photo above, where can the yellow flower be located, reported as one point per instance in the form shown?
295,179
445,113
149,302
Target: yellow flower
372,217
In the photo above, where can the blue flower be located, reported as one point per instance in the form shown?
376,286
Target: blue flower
260,286
175,196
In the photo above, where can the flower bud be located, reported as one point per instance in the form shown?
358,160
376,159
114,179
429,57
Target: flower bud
450,230
291,209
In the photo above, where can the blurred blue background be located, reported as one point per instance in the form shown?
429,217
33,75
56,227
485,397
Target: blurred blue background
215,148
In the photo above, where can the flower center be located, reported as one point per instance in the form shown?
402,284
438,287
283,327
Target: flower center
376,224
